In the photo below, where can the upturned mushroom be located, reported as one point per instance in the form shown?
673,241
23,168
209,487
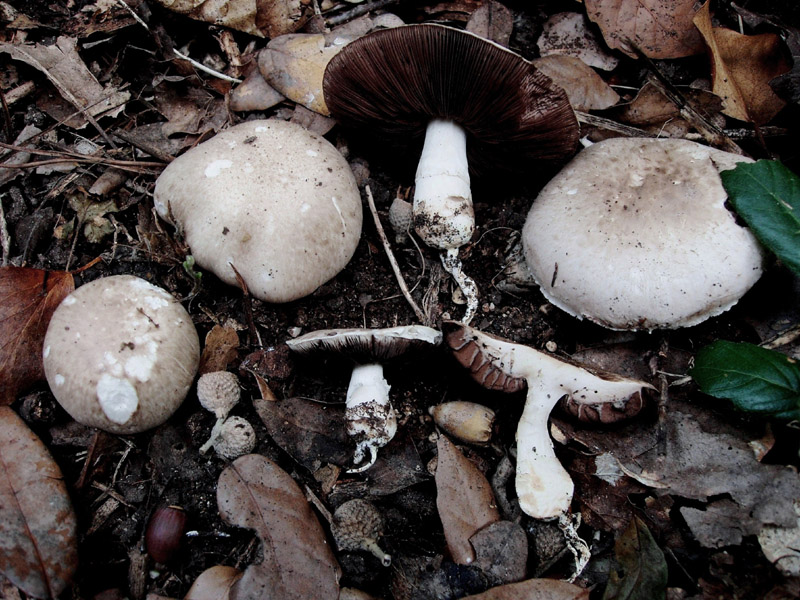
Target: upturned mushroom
120,354
634,234
269,199
371,419
543,486
479,107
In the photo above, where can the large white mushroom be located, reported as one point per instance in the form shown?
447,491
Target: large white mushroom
267,198
120,354
635,234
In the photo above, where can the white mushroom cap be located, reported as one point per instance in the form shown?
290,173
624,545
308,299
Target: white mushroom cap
120,354
269,197
634,234
218,392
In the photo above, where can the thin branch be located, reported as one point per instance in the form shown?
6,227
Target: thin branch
358,11
205,69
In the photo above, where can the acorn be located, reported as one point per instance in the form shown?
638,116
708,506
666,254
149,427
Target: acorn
165,533
357,525
466,421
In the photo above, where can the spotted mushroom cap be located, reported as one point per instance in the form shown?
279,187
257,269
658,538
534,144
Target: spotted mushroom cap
218,392
391,83
120,354
635,234
270,199
236,437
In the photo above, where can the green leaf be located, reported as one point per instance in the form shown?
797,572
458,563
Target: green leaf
754,378
643,573
767,196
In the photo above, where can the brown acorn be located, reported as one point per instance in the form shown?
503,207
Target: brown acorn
165,533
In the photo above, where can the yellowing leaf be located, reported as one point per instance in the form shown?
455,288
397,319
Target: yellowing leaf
28,298
38,547
741,69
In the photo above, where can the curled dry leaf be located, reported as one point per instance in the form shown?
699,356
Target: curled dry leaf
298,563
651,107
741,69
38,545
534,589
214,583
264,18
568,33
28,298
585,89
464,499
220,349
658,28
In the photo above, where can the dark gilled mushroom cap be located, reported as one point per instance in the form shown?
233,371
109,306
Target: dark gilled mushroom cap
367,345
392,82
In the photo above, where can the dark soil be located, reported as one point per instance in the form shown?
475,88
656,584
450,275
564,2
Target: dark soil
117,482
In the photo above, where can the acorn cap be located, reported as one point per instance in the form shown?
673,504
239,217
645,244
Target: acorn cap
393,82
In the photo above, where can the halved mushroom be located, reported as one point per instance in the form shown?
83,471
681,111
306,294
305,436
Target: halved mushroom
371,420
480,108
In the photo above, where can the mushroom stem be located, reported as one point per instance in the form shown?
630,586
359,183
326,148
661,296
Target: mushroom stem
373,547
452,265
215,433
371,420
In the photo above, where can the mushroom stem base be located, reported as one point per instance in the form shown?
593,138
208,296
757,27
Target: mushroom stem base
569,524
452,264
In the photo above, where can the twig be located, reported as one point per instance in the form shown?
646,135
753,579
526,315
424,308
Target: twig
5,241
395,267
205,69
610,125
144,146
358,11
133,14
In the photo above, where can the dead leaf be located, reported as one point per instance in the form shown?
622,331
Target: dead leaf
254,93
38,528
492,21
741,69
585,89
294,65
568,33
63,66
193,110
651,107
658,28
312,433
263,18
220,349
534,589
501,552
643,573
312,121
781,545
214,583
464,499
298,563
721,523
28,298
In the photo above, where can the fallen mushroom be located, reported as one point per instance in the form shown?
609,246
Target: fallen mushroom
634,234
268,199
543,486
479,107
120,354
357,525
371,420
217,392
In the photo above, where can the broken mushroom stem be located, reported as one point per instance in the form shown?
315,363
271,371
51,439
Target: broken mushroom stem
369,414
443,214
543,486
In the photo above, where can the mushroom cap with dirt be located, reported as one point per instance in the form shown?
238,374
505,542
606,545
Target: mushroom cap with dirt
120,354
269,199
478,107
634,234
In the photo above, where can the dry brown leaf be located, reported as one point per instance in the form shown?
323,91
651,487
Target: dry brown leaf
38,544
298,563
221,349
63,66
741,69
534,589
501,552
214,583
659,28
294,65
492,21
651,107
585,89
28,298
264,18
568,33
464,499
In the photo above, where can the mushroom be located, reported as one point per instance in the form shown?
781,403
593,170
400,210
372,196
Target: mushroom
217,392
543,486
120,354
269,199
371,420
479,107
635,234
235,437
356,525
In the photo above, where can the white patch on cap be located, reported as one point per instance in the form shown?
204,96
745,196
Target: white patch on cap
69,301
216,167
261,128
248,168
305,207
155,303
335,201
59,379
139,367
46,352
117,397
311,152
232,144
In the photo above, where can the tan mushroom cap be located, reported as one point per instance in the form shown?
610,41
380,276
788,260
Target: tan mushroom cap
120,354
269,197
634,234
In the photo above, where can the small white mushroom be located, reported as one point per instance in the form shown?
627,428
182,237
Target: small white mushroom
371,420
236,437
120,354
218,392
